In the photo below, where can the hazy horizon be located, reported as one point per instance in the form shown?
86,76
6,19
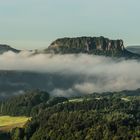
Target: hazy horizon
36,23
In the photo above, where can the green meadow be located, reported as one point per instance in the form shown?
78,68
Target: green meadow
9,122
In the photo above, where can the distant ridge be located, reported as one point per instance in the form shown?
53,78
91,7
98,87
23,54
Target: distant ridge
90,45
134,49
5,48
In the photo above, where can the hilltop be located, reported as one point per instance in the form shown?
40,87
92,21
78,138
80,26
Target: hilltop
6,48
90,45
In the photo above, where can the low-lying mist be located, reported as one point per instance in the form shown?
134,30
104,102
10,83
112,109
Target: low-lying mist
85,73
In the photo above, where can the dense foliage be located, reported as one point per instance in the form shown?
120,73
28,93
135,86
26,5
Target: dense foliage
106,116
110,117
4,136
28,104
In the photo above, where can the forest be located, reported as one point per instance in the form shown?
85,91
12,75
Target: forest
106,116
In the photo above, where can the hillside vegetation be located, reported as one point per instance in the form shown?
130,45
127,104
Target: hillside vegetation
96,119
106,116
28,104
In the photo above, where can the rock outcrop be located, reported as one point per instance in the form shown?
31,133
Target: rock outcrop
90,45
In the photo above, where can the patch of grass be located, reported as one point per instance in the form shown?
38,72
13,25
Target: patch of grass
8,122
125,99
79,99
76,100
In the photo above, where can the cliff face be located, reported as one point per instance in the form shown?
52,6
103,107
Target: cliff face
90,45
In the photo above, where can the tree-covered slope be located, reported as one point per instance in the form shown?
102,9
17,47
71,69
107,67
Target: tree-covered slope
28,104
105,118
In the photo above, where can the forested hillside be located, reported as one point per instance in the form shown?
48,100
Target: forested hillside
28,104
106,116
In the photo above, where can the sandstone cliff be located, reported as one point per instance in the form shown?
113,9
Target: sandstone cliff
90,45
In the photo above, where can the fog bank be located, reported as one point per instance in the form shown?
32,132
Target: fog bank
94,73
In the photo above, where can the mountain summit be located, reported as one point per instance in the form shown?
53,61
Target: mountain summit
90,45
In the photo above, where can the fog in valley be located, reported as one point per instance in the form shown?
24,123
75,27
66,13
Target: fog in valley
66,75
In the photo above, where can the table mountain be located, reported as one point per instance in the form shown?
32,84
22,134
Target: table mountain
90,45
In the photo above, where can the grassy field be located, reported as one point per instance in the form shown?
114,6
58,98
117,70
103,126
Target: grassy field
76,100
79,99
8,122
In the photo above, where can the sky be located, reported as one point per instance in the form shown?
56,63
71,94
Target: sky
32,24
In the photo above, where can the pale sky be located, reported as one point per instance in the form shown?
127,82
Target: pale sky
31,24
